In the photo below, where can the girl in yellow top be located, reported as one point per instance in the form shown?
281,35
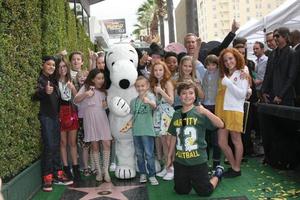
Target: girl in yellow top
230,107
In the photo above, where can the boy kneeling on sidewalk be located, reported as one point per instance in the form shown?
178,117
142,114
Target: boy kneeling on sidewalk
187,128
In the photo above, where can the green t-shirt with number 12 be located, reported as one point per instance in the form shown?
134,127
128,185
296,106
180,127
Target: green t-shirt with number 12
189,129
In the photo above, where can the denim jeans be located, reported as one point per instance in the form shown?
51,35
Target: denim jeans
212,140
144,148
50,131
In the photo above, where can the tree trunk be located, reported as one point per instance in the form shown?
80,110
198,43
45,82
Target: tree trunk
162,31
154,26
171,21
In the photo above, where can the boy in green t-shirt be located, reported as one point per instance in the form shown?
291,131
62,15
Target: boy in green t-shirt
143,133
188,128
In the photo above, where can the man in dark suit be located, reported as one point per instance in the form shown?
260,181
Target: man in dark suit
278,85
295,42
278,88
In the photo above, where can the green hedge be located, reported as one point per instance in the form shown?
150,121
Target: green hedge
28,30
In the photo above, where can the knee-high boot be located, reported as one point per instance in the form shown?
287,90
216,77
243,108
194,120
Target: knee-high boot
96,160
106,159
76,172
93,168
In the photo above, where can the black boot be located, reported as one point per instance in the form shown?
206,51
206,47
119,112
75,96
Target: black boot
68,173
76,173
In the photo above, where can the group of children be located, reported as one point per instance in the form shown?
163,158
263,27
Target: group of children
182,123
167,117
69,102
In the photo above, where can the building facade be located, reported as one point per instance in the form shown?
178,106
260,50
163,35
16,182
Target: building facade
215,16
81,10
186,19
180,21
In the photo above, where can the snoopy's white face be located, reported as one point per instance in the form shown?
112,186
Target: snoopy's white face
122,61
121,52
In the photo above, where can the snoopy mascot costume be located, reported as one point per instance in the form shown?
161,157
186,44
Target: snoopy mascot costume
122,62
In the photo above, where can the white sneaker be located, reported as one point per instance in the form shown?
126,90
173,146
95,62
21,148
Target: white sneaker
112,167
143,178
170,175
153,180
162,173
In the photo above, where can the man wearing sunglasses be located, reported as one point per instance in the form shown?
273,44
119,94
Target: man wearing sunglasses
281,71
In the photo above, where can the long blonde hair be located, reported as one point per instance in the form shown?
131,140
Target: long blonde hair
193,73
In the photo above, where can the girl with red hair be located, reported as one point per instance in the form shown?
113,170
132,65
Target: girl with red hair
162,87
230,100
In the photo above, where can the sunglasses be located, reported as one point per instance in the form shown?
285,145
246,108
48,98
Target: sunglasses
183,119
276,35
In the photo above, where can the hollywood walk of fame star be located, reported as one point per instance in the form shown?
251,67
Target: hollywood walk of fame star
106,190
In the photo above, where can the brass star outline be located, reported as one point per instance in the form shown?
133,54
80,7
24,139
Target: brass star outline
116,191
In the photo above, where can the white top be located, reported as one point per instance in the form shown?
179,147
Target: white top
236,90
260,69
65,92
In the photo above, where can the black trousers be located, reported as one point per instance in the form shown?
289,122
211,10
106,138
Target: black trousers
188,177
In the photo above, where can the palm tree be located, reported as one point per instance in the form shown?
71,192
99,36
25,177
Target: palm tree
149,14
146,14
161,12
138,30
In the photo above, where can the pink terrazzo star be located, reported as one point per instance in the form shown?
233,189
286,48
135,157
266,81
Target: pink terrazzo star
106,190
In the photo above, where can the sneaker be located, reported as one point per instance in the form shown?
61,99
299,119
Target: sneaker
143,178
112,167
153,180
218,172
62,179
162,173
47,183
230,173
170,175
86,172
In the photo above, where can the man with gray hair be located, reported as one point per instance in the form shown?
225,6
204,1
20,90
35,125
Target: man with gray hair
192,43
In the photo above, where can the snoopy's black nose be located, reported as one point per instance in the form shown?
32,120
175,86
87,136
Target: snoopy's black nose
124,83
